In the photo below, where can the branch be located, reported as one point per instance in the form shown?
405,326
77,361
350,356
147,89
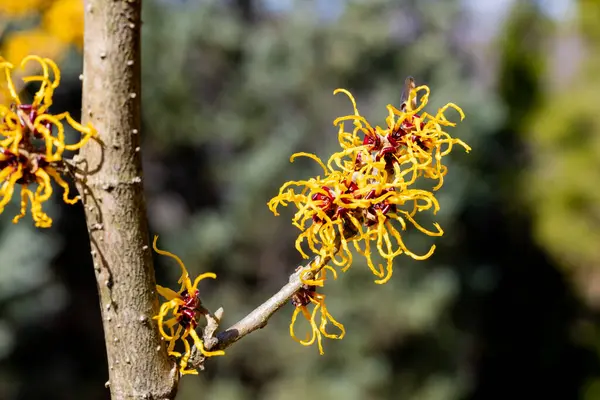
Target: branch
112,192
257,318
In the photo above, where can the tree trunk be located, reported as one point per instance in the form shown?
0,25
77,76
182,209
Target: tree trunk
139,367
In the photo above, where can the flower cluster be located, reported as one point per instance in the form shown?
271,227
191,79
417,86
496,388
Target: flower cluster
301,300
179,315
60,26
367,194
32,142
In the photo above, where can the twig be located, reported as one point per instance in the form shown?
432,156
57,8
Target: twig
257,318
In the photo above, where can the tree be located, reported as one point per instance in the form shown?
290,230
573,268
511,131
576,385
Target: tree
230,90
110,177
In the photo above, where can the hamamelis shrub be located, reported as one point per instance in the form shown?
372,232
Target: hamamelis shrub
32,141
366,197
362,203
180,313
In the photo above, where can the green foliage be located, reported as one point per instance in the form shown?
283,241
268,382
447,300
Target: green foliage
560,185
564,144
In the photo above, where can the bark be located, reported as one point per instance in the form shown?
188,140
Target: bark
139,367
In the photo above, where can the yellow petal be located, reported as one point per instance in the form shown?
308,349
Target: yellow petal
167,293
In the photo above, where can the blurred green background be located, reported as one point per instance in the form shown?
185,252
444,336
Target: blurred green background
509,305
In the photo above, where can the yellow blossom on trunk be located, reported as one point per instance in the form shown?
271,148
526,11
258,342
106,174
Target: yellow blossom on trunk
179,314
32,141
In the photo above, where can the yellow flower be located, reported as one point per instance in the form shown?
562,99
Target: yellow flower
18,8
413,142
23,160
60,24
179,314
324,201
64,20
17,45
306,296
366,194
